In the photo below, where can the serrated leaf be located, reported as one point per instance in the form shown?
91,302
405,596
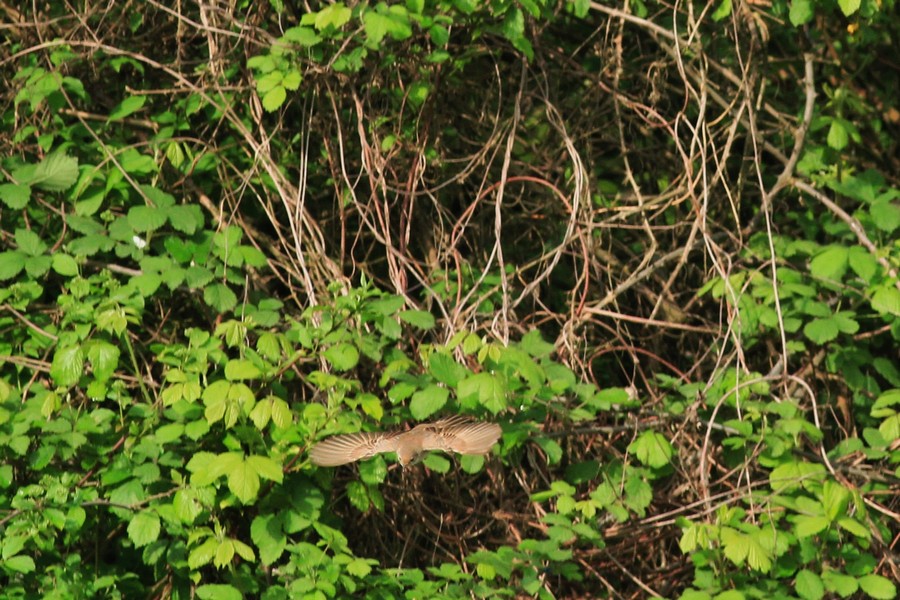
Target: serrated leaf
807,526
445,369
224,553
266,468
809,585
65,265
302,35
281,413
104,358
652,449
886,299
848,7
417,318
437,462
425,403
241,370
838,136
220,297
11,264
243,481
885,215
15,196
29,242
333,16
144,528
831,263
356,493
801,12
67,366
878,587
722,11
144,219
821,331
862,263
19,564
267,533
56,173
485,389
126,107
202,554
185,218
342,356
274,98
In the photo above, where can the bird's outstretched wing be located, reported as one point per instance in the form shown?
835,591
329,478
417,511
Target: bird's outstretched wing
462,435
350,447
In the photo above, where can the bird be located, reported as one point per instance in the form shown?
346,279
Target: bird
459,434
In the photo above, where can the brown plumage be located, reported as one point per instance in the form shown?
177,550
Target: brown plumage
454,434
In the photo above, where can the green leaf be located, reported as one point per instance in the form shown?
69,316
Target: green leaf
852,525
838,136
30,243
426,402
848,7
821,331
837,582
144,528
885,299
175,154
722,11
144,219
56,173
185,218
445,369
128,106
241,370
65,265
220,297
36,266
878,587
67,366
334,16
471,463
485,389
267,533
437,462
513,29
863,263
801,12
652,449
417,318
809,525
274,98
302,35
359,567
203,555
15,196
11,264
342,356
358,496
104,358
266,468
831,263
20,563
243,481
379,23
885,215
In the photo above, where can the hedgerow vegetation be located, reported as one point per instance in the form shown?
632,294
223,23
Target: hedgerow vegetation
658,243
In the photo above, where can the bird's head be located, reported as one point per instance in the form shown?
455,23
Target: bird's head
408,455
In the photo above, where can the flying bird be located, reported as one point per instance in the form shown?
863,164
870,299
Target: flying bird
459,434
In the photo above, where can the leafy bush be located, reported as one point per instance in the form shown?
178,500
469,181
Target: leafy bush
627,235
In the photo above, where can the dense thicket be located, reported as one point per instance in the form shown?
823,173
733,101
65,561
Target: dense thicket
657,243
